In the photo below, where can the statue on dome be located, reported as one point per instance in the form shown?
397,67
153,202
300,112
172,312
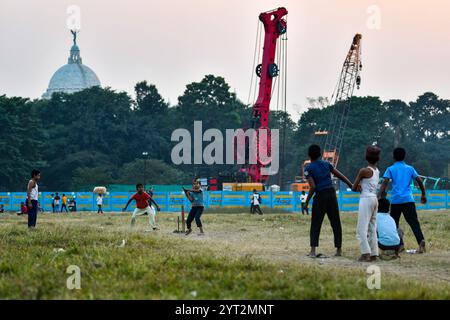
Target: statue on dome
74,34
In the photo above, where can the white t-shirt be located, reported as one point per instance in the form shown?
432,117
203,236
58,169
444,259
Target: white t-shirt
256,199
99,201
303,198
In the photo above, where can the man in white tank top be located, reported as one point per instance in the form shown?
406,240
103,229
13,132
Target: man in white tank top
33,198
367,182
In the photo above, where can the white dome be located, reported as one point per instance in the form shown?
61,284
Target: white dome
72,77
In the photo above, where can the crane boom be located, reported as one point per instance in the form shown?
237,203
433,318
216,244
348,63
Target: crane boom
274,26
350,76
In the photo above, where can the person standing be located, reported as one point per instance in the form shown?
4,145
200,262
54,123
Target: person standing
64,203
33,198
303,197
99,203
53,202
367,182
256,201
318,173
57,200
195,196
402,200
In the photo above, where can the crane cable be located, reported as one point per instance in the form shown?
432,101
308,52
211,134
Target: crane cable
255,55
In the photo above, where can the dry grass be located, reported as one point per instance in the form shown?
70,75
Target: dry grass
242,256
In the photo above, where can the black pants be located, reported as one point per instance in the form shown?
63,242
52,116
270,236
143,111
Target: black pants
53,207
256,208
305,209
195,213
409,212
100,210
63,206
32,214
383,247
325,201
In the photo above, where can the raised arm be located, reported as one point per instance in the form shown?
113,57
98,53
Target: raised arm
342,177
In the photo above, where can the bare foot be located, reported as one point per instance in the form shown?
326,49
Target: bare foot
422,248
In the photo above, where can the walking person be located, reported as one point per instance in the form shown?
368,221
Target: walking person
99,203
367,182
33,198
195,196
318,173
256,201
64,203
303,197
402,200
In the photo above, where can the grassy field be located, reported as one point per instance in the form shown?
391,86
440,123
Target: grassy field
241,257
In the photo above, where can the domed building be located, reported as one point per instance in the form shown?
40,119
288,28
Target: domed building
74,76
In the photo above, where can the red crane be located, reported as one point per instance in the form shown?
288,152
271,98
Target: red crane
274,26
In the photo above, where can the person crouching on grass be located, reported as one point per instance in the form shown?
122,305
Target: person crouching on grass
318,173
142,199
195,196
367,182
390,239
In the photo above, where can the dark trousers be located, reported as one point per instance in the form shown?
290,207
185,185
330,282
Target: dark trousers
255,208
63,206
305,209
325,202
100,210
32,214
383,247
409,212
195,213
53,207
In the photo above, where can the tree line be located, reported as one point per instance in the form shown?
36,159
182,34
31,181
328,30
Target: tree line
98,136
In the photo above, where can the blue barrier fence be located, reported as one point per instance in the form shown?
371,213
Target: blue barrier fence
172,201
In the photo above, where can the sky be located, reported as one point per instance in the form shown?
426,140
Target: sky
170,43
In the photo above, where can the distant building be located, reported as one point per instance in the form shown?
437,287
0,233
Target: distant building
74,76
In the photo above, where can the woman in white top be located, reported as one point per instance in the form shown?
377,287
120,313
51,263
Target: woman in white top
33,198
367,182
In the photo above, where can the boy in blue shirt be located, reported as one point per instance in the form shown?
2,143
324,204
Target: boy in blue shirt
318,173
402,175
388,235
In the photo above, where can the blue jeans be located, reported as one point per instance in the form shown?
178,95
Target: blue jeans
32,214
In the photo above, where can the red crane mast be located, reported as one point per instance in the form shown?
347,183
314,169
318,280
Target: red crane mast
274,26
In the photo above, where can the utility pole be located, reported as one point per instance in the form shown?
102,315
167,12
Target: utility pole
145,154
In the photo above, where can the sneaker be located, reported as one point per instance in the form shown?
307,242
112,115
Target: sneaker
155,228
188,232
373,258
